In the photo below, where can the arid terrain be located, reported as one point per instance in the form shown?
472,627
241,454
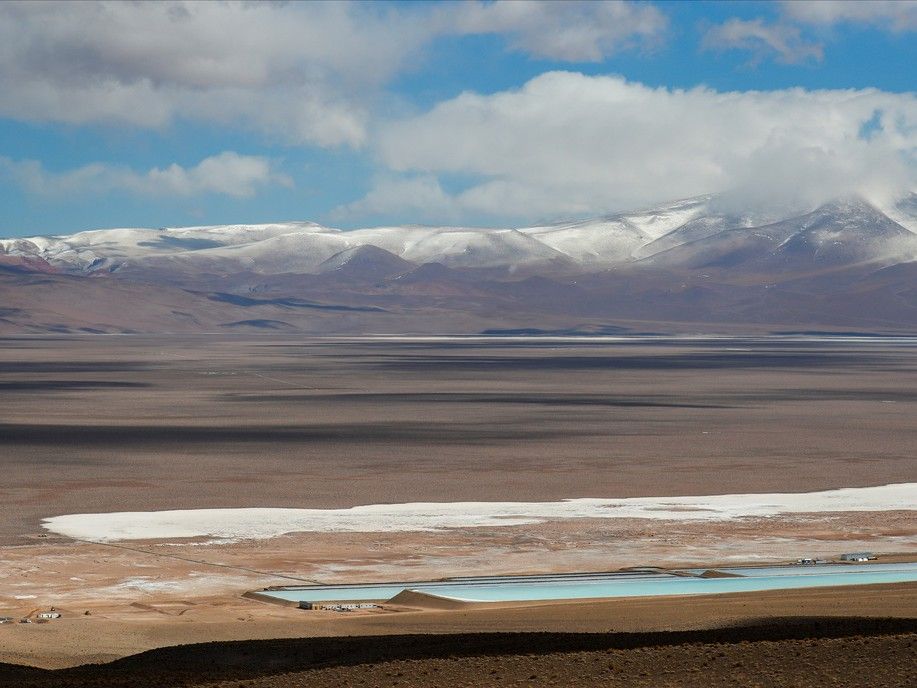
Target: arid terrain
797,651
96,424
452,344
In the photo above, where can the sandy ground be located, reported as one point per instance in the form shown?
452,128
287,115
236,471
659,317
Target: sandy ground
115,577
124,423
118,599
99,424
75,639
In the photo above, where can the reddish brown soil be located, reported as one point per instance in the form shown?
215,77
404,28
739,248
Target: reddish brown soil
886,661
781,652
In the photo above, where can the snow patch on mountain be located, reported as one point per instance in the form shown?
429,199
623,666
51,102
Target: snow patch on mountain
687,233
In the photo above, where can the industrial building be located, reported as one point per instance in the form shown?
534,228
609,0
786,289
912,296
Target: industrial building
810,561
338,606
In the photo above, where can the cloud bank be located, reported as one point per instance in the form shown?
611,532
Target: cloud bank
301,73
291,72
228,174
320,74
566,143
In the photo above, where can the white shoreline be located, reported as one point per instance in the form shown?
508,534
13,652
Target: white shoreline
262,523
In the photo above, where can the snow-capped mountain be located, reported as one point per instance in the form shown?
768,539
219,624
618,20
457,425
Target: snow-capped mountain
688,233
618,238
689,260
840,233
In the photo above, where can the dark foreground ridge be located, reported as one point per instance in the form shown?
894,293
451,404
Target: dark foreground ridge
299,661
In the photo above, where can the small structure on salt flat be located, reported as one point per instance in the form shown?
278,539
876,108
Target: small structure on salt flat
809,561
338,606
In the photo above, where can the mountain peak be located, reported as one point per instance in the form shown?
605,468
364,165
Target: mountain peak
366,262
698,224
690,262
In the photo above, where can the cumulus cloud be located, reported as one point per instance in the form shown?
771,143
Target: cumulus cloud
290,71
303,73
783,41
570,30
895,15
420,197
566,143
228,174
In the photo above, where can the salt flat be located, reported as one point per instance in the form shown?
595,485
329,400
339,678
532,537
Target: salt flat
380,518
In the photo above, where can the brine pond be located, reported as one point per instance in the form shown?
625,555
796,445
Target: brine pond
632,583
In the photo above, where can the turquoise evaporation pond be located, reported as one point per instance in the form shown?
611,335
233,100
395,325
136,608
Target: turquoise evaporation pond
630,584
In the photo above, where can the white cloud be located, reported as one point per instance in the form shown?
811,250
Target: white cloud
420,197
571,144
570,30
783,41
895,15
303,73
228,174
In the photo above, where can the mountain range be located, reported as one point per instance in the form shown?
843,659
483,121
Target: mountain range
691,265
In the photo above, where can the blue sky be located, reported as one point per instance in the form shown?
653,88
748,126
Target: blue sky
355,114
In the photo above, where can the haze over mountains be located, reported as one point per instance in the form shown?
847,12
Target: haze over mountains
686,266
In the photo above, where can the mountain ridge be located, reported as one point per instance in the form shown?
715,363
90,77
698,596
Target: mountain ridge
683,265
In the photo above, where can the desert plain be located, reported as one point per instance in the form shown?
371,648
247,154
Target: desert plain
99,424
